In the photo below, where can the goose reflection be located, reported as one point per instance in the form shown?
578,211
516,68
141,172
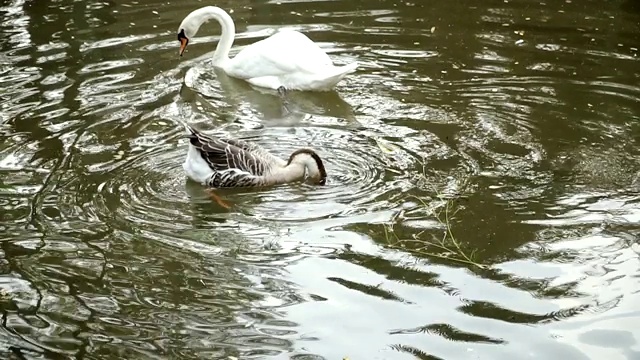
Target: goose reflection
275,108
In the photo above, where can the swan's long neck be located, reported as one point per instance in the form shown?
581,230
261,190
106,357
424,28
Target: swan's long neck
198,17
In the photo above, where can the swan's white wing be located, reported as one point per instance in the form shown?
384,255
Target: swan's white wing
283,53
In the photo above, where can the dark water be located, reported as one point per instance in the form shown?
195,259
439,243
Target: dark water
520,116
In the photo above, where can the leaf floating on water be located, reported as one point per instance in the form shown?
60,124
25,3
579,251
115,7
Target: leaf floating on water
386,146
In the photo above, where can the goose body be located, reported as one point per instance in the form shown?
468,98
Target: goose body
229,163
288,59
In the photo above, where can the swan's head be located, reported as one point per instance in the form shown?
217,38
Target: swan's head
312,163
191,24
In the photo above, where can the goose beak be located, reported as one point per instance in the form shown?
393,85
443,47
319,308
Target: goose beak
183,45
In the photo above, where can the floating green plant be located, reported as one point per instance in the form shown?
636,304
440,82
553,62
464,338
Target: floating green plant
447,247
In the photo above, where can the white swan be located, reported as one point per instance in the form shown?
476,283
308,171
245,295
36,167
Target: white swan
287,60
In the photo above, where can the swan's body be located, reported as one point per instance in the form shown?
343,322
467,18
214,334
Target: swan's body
288,59
228,163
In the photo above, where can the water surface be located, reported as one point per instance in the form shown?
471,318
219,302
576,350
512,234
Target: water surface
521,117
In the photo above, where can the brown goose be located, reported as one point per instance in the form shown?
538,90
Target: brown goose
231,163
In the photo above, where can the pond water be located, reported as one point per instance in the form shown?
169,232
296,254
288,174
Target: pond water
506,131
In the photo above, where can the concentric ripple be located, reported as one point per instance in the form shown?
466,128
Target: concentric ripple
141,181
146,185
361,177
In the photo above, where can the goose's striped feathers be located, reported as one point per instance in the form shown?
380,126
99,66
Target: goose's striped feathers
221,162
232,154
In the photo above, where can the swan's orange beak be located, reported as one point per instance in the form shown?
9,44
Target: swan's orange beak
183,45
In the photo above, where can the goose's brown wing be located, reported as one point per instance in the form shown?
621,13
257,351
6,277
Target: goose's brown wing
226,154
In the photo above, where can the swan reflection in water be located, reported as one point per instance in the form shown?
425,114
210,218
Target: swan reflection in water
209,84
